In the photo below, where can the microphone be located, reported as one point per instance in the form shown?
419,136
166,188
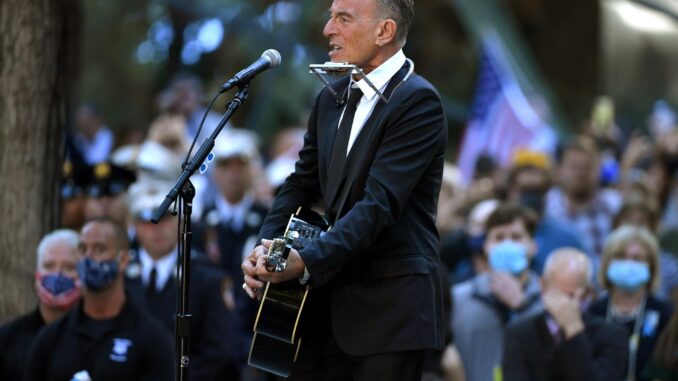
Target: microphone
269,59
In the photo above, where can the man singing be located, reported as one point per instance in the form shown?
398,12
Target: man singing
376,167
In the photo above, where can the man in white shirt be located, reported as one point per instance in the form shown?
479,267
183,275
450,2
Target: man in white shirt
94,140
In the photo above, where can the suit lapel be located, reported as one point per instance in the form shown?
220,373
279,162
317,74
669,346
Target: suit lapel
362,143
328,123
546,348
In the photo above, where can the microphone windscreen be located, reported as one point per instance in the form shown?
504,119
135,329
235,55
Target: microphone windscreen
273,57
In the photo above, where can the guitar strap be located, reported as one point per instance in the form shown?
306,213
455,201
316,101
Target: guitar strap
400,77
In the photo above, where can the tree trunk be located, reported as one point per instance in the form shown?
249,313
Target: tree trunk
34,64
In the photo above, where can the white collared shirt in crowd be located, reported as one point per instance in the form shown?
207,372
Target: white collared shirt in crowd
164,268
234,214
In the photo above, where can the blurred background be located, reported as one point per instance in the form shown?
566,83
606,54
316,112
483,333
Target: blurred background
562,55
565,107
513,75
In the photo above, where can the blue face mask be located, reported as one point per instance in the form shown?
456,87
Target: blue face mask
627,274
97,275
508,256
57,283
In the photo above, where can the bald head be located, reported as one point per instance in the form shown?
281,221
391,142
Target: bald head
567,270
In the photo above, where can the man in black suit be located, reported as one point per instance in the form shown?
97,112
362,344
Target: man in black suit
562,343
376,167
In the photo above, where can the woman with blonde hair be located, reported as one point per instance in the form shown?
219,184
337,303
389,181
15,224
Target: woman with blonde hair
629,271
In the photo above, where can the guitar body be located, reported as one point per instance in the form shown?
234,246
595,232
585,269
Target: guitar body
276,340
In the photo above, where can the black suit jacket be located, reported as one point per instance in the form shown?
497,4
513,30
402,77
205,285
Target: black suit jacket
531,353
378,265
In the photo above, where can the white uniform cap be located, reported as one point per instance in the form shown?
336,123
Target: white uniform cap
145,196
236,143
157,162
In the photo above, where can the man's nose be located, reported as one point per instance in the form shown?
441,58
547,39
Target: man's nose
329,28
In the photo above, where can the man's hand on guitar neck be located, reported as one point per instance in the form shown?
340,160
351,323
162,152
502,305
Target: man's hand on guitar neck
254,268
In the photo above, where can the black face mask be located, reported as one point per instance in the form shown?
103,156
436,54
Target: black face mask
533,198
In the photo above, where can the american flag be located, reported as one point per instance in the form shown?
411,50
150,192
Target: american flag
502,120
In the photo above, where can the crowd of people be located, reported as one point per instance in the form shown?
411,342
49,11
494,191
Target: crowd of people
564,267
554,272
558,267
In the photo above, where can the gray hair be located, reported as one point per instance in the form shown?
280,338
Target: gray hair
54,238
400,11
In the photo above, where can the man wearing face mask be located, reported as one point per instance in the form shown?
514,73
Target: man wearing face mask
58,289
562,343
106,337
528,183
490,300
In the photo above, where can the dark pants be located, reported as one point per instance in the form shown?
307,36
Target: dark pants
321,359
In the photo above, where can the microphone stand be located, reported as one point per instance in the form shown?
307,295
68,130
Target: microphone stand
184,189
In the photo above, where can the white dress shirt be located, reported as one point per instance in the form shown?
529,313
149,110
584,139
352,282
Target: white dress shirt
164,268
234,214
99,148
380,78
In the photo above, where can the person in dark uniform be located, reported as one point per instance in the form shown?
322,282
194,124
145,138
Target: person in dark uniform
151,282
376,167
107,337
106,194
232,216
75,177
58,290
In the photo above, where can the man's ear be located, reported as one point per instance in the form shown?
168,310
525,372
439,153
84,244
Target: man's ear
124,260
386,32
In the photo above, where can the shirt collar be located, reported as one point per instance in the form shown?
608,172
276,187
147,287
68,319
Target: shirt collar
381,75
163,266
235,213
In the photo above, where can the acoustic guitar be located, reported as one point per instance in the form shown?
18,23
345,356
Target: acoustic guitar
276,340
